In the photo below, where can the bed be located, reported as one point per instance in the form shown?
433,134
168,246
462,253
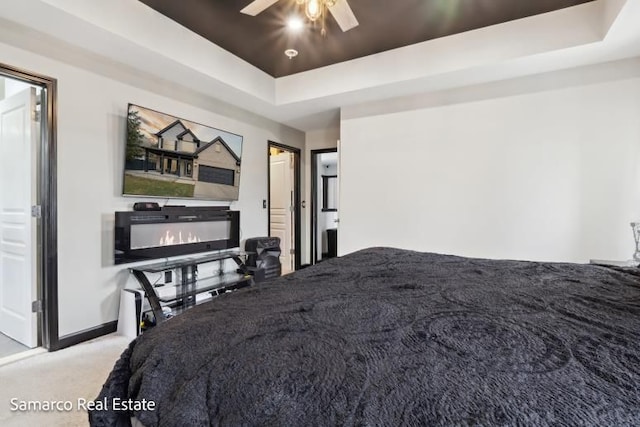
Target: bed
392,337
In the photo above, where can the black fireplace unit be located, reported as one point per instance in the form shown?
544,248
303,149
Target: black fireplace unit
148,235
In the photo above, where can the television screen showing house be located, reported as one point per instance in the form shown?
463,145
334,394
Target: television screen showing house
171,157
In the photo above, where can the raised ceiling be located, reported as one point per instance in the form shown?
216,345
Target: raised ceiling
130,42
384,25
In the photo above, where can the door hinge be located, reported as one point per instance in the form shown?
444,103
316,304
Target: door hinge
36,306
36,116
292,251
36,211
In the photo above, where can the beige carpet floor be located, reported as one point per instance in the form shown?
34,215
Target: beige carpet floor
65,375
9,346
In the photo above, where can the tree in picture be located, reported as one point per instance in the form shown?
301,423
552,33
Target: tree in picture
134,136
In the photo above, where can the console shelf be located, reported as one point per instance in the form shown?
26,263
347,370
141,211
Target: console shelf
213,284
182,295
159,267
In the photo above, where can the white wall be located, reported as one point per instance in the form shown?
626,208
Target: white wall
91,137
549,175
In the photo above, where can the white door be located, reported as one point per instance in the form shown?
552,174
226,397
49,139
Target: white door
281,206
18,287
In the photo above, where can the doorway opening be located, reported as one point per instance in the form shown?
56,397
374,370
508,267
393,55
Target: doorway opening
284,202
28,260
324,204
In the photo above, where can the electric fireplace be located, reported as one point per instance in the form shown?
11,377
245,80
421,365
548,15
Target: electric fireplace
147,235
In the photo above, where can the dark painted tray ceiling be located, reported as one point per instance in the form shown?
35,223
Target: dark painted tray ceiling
384,25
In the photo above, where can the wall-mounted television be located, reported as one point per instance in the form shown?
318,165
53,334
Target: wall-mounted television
170,157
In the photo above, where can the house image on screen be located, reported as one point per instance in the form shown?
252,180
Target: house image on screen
213,167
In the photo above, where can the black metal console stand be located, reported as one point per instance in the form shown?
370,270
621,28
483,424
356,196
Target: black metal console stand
182,295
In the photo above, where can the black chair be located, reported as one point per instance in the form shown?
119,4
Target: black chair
263,257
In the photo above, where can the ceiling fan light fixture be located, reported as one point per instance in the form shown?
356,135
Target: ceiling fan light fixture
313,9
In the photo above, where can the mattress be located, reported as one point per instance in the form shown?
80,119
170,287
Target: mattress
392,337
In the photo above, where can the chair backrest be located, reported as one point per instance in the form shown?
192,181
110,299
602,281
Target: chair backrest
263,250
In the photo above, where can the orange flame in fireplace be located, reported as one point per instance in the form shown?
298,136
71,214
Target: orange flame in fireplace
171,238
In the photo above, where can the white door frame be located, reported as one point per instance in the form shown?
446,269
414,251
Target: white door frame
296,198
47,269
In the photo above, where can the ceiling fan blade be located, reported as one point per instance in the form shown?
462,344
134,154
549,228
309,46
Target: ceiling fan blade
343,15
257,6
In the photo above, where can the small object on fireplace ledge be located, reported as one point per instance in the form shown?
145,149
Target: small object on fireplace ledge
146,206
627,263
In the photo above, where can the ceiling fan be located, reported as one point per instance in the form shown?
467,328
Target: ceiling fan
314,9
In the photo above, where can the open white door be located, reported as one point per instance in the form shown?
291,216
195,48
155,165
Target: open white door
18,278
281,206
